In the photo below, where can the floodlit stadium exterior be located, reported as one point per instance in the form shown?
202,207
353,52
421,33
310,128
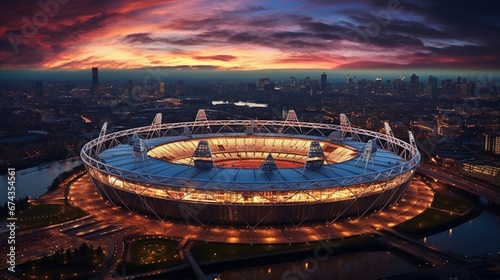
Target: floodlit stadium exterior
255,173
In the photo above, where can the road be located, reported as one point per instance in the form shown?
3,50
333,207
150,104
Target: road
444,175
108,225
432,255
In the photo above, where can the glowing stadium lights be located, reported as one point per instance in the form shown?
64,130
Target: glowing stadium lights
201,122
269,164
368,153
315,156
139,148
388,132
103,131
202,156
215,171
155,126
346,129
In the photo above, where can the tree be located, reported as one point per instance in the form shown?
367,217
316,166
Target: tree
68,256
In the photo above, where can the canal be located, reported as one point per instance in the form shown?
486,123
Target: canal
33,182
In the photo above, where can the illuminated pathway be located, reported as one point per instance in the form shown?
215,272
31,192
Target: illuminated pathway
480,189
417,198
108,225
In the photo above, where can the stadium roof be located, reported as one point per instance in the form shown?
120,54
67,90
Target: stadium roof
121,156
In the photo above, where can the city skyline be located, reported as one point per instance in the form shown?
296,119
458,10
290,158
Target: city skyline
235,37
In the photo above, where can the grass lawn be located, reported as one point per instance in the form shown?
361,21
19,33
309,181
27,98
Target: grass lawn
63,265
37,216
207,251
451,202
150,254
429,218
443,203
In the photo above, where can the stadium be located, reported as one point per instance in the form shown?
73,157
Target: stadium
251,173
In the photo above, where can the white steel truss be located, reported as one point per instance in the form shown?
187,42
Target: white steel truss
90,152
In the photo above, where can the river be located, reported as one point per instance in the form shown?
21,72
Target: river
364,265
240,103
33,181
479,236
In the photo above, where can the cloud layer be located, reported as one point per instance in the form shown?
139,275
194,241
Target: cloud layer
239,34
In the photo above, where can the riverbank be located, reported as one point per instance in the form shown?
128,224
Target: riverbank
25,163
34,182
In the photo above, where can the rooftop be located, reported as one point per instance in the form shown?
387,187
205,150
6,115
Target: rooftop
122,157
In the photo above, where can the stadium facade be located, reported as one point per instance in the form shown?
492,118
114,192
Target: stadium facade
251,173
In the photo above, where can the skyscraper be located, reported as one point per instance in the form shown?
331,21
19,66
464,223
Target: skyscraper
414,87
378,87
431,87
323,82
263,84
492,143
293,84
95,80
161,87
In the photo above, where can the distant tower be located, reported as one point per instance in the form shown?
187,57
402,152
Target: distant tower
263,84
293,84
161,87
431,87
95,80
38,89
379,87
348,80
414,86
323,82
492,143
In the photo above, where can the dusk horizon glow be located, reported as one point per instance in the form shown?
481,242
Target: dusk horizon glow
230,36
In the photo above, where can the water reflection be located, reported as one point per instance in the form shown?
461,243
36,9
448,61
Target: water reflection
33,182
346,266
478,236
240,103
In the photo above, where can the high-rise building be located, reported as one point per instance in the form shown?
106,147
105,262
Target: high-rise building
447,87
431,87
161,87
378,88
323,82
414,87
467,89
95,80
38,89
263,84
400,86
293,84
472,88
492,143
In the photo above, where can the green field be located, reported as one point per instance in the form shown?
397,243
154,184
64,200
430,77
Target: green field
79,263
37,216
429,218
451,202
150,254
445,208
209,251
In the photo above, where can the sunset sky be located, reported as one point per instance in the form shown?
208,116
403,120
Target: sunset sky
250,35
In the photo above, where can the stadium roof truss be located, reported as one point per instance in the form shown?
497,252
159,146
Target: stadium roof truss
290,128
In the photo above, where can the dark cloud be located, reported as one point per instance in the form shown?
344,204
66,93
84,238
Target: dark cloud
219,57
448,33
